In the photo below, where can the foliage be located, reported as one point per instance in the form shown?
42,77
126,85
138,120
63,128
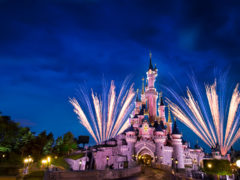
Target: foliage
8,131
217,167
65,145
18,142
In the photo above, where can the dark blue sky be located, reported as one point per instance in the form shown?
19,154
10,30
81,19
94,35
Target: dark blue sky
48,49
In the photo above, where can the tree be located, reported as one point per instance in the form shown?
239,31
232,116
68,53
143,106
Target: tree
23,140
69,143
8,133
57,149
217,167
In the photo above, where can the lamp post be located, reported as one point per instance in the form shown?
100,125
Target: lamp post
176,164
44,162
25,161
107,160
80,165
48,161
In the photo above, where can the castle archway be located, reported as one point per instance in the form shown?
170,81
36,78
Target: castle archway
145,156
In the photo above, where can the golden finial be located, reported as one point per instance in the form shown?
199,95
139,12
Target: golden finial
142,85
137,91
169,114
150,54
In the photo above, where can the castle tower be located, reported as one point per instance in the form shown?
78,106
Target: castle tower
159,139
178,160
161,108
131,140
150,92
169,123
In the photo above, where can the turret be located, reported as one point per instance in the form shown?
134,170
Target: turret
169,123
131,140
159,139
177,147
161,108
150,92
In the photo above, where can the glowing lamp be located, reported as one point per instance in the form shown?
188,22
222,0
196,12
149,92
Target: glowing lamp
26,160
209,165
49,159
44,161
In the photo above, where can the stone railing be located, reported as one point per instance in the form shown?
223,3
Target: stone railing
93,174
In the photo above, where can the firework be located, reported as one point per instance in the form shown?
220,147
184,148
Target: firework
208,115
107,115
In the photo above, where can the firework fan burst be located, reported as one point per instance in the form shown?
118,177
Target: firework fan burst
209,113
107,115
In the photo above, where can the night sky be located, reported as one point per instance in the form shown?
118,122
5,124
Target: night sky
48,49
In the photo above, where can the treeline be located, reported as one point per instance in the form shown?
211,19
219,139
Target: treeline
17,142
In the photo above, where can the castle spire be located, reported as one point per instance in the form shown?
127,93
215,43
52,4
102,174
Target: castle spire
142,85
137,99
159,97
150,61
169,114
160,102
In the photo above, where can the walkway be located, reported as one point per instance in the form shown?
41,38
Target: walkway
152,174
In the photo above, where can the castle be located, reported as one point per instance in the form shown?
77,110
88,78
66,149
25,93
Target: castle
149,139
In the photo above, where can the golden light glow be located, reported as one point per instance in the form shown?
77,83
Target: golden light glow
44,161
48,159
209,165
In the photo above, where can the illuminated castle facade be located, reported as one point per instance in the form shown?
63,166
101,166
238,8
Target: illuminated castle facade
150,138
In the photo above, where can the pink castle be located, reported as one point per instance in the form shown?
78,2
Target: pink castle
149,139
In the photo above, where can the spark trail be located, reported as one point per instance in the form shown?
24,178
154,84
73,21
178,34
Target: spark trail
106,116
206,123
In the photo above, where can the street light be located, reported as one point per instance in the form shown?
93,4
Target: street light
49,160
44,162
80,164
176,163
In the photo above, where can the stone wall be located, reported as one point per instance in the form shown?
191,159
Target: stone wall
94,174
